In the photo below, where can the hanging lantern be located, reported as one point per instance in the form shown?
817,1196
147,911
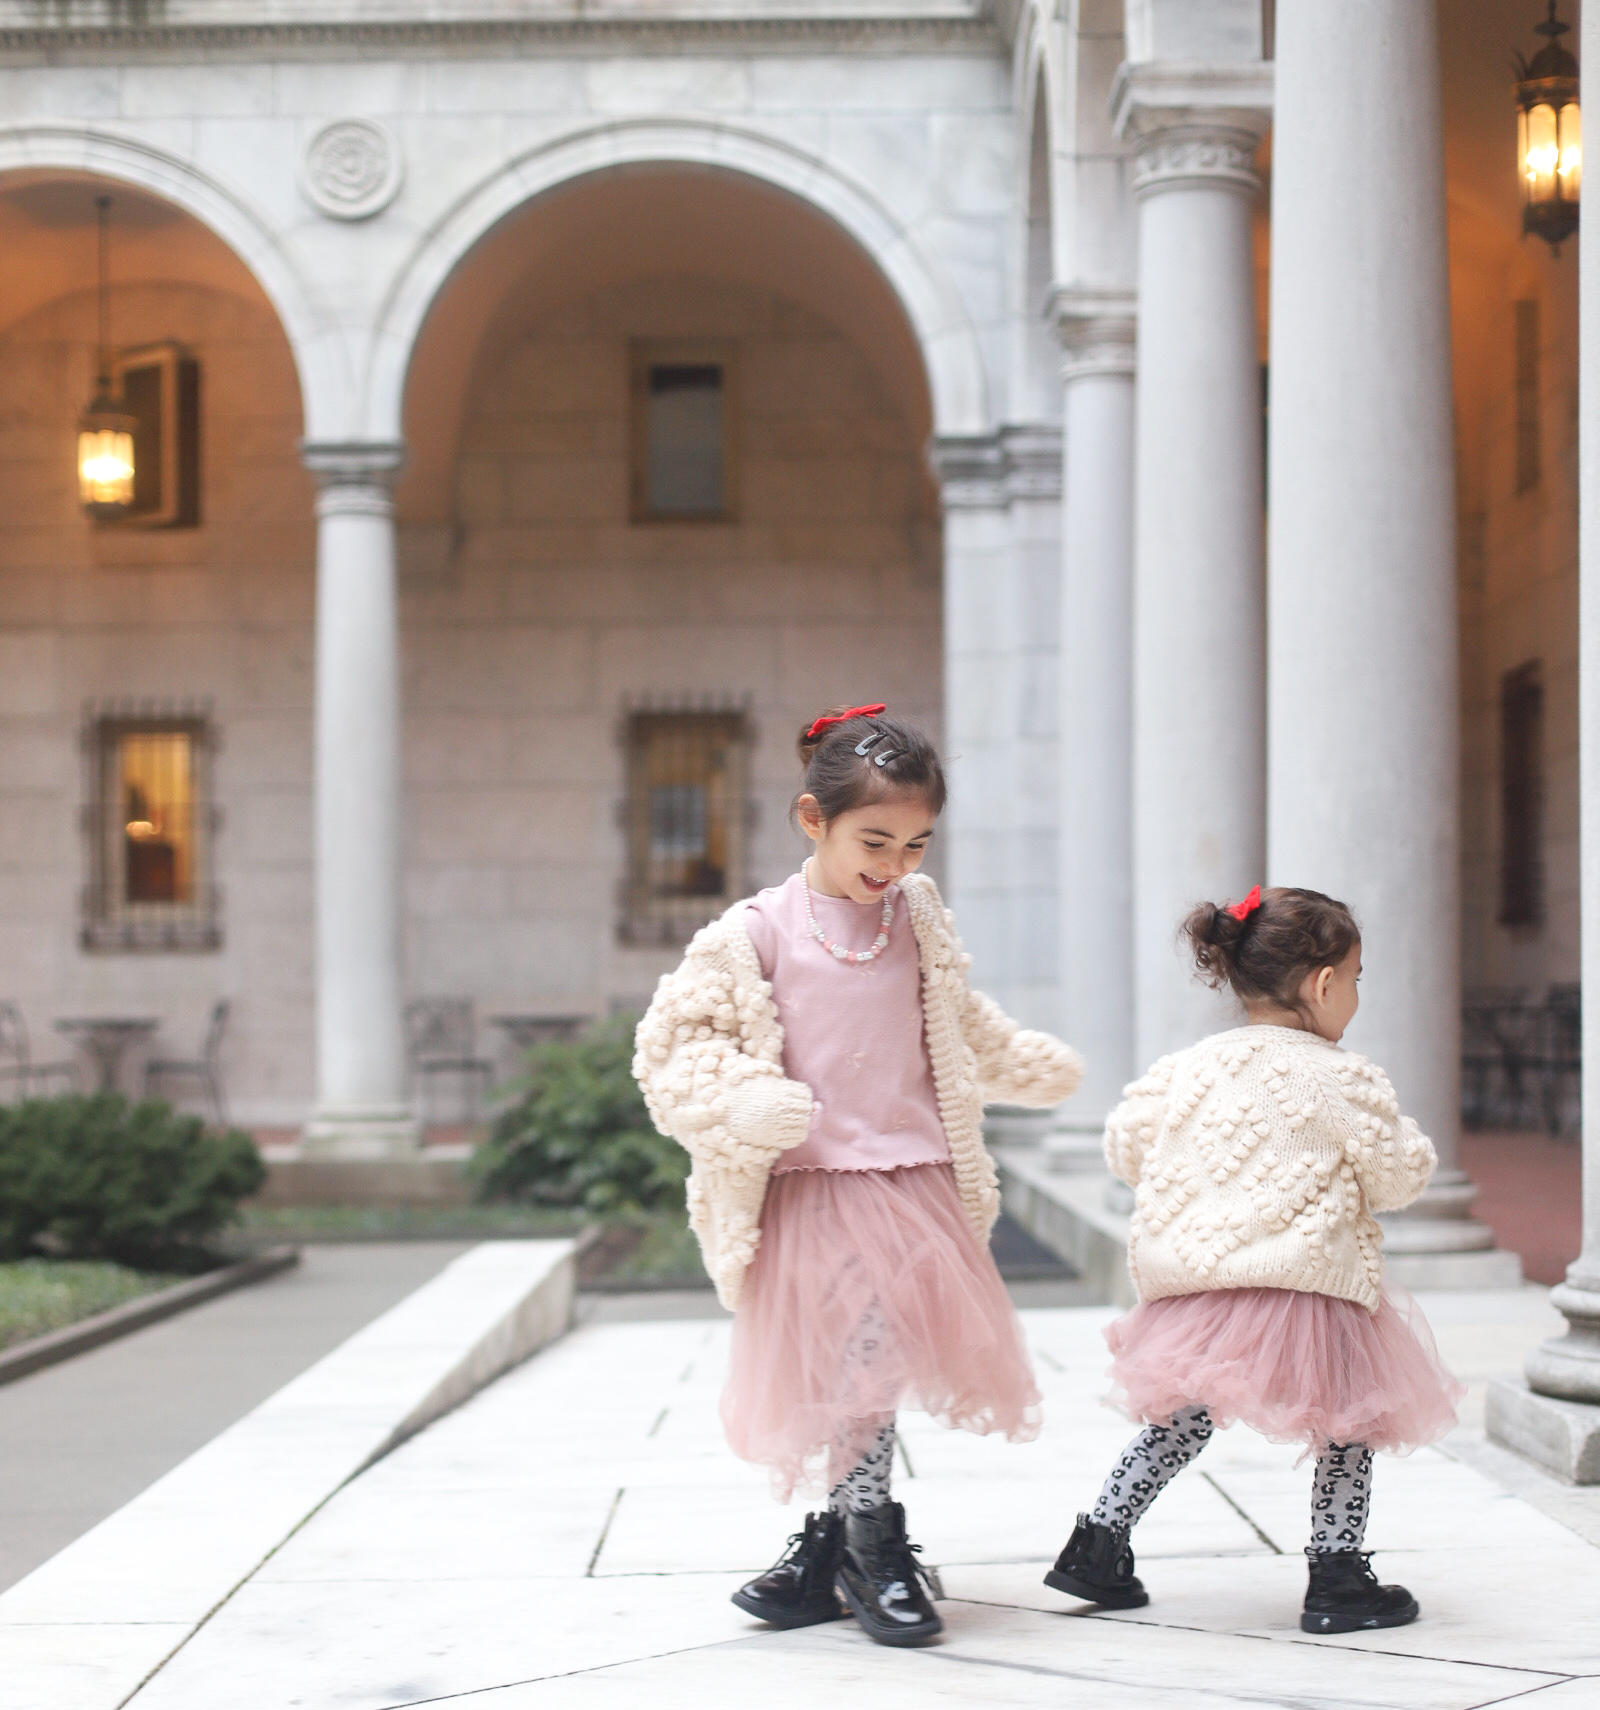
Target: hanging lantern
1549,136
105,430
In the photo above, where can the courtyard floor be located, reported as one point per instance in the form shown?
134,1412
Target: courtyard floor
569,1537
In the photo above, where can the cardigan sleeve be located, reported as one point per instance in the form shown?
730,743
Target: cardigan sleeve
1016,1065
705,1085
1132,1128
1392,1158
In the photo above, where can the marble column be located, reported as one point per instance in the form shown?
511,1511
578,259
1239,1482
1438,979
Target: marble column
1033,492
1095,674
362,1109
1555,1415
1198,622
1364,711
978,701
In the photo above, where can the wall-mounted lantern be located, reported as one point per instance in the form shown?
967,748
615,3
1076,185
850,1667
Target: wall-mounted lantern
105,430
1549,136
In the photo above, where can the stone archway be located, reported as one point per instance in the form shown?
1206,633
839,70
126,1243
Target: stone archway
948,341
546,618
320,358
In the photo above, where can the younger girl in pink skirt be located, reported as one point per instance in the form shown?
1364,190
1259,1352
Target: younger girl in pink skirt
1258,1158
822,1058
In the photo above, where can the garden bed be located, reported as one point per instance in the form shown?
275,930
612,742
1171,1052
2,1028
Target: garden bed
41,1295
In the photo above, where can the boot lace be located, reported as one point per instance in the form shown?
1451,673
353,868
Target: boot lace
810,1532
914,1568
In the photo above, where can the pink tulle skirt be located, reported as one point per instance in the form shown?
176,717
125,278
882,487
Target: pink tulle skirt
1299,1368
869,1293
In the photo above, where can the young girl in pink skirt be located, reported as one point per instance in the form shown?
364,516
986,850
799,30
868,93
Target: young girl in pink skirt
822,1058
1258,1158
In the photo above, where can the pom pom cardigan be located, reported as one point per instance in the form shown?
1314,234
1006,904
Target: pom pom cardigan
709,1058
1257,1159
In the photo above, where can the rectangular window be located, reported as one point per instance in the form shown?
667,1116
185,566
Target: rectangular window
682,466
149,823
686,822
1527,313
1522,796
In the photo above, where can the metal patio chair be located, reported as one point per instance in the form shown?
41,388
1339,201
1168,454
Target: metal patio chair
441,1041
203,1071
18,1072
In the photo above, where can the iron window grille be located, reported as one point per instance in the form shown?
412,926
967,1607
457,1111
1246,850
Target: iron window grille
150,824
1522,796
686,817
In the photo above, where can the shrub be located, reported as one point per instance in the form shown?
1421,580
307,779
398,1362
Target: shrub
579,1136
97,1178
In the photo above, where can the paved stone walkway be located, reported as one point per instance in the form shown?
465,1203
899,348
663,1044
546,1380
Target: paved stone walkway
80,1439
570,1537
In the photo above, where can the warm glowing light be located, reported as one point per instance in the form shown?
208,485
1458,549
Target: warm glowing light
140,828
1571,168
1549,136
105,468
1540,153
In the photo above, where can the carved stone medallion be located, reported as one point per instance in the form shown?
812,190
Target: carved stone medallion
352,169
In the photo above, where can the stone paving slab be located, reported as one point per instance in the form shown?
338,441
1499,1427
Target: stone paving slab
83,1631
569,1537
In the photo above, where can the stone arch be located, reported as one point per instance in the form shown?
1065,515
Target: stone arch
1035,236
319,361
944,333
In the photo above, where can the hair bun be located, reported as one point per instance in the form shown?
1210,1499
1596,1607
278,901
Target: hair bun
1213,936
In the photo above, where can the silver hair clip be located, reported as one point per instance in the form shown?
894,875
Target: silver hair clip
866,742
886,756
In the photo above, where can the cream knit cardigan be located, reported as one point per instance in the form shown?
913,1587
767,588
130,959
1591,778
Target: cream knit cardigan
709,1059
1257,1159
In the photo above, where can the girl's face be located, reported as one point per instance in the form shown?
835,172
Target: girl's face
1330,996
863,851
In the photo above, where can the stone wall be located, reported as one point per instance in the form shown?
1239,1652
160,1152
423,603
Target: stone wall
526,639
1520,603
554,615
221,612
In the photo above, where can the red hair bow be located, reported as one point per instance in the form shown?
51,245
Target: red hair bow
821,724
1243,910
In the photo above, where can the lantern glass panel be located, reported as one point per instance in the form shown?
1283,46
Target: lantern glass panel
1571,167
105,467
1541,154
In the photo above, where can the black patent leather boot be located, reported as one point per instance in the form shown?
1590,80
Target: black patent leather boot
1097,1565
882,1580
797,1590
1344,1596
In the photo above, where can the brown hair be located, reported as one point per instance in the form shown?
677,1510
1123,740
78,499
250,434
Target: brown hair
1265,956
863,759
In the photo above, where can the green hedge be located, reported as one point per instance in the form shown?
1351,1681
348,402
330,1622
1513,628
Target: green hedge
578,1135
97,1178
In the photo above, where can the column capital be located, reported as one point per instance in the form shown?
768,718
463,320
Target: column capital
970,469
354,475
1032,460
1193,126
1098,330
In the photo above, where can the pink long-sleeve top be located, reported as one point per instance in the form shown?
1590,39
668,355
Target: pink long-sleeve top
852,1031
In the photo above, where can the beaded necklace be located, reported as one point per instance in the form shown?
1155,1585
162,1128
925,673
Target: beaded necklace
879,944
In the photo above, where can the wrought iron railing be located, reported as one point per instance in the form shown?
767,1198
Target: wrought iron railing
1521,1059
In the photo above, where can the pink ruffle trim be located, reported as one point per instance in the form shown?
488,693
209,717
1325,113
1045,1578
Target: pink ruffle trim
1298,1368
